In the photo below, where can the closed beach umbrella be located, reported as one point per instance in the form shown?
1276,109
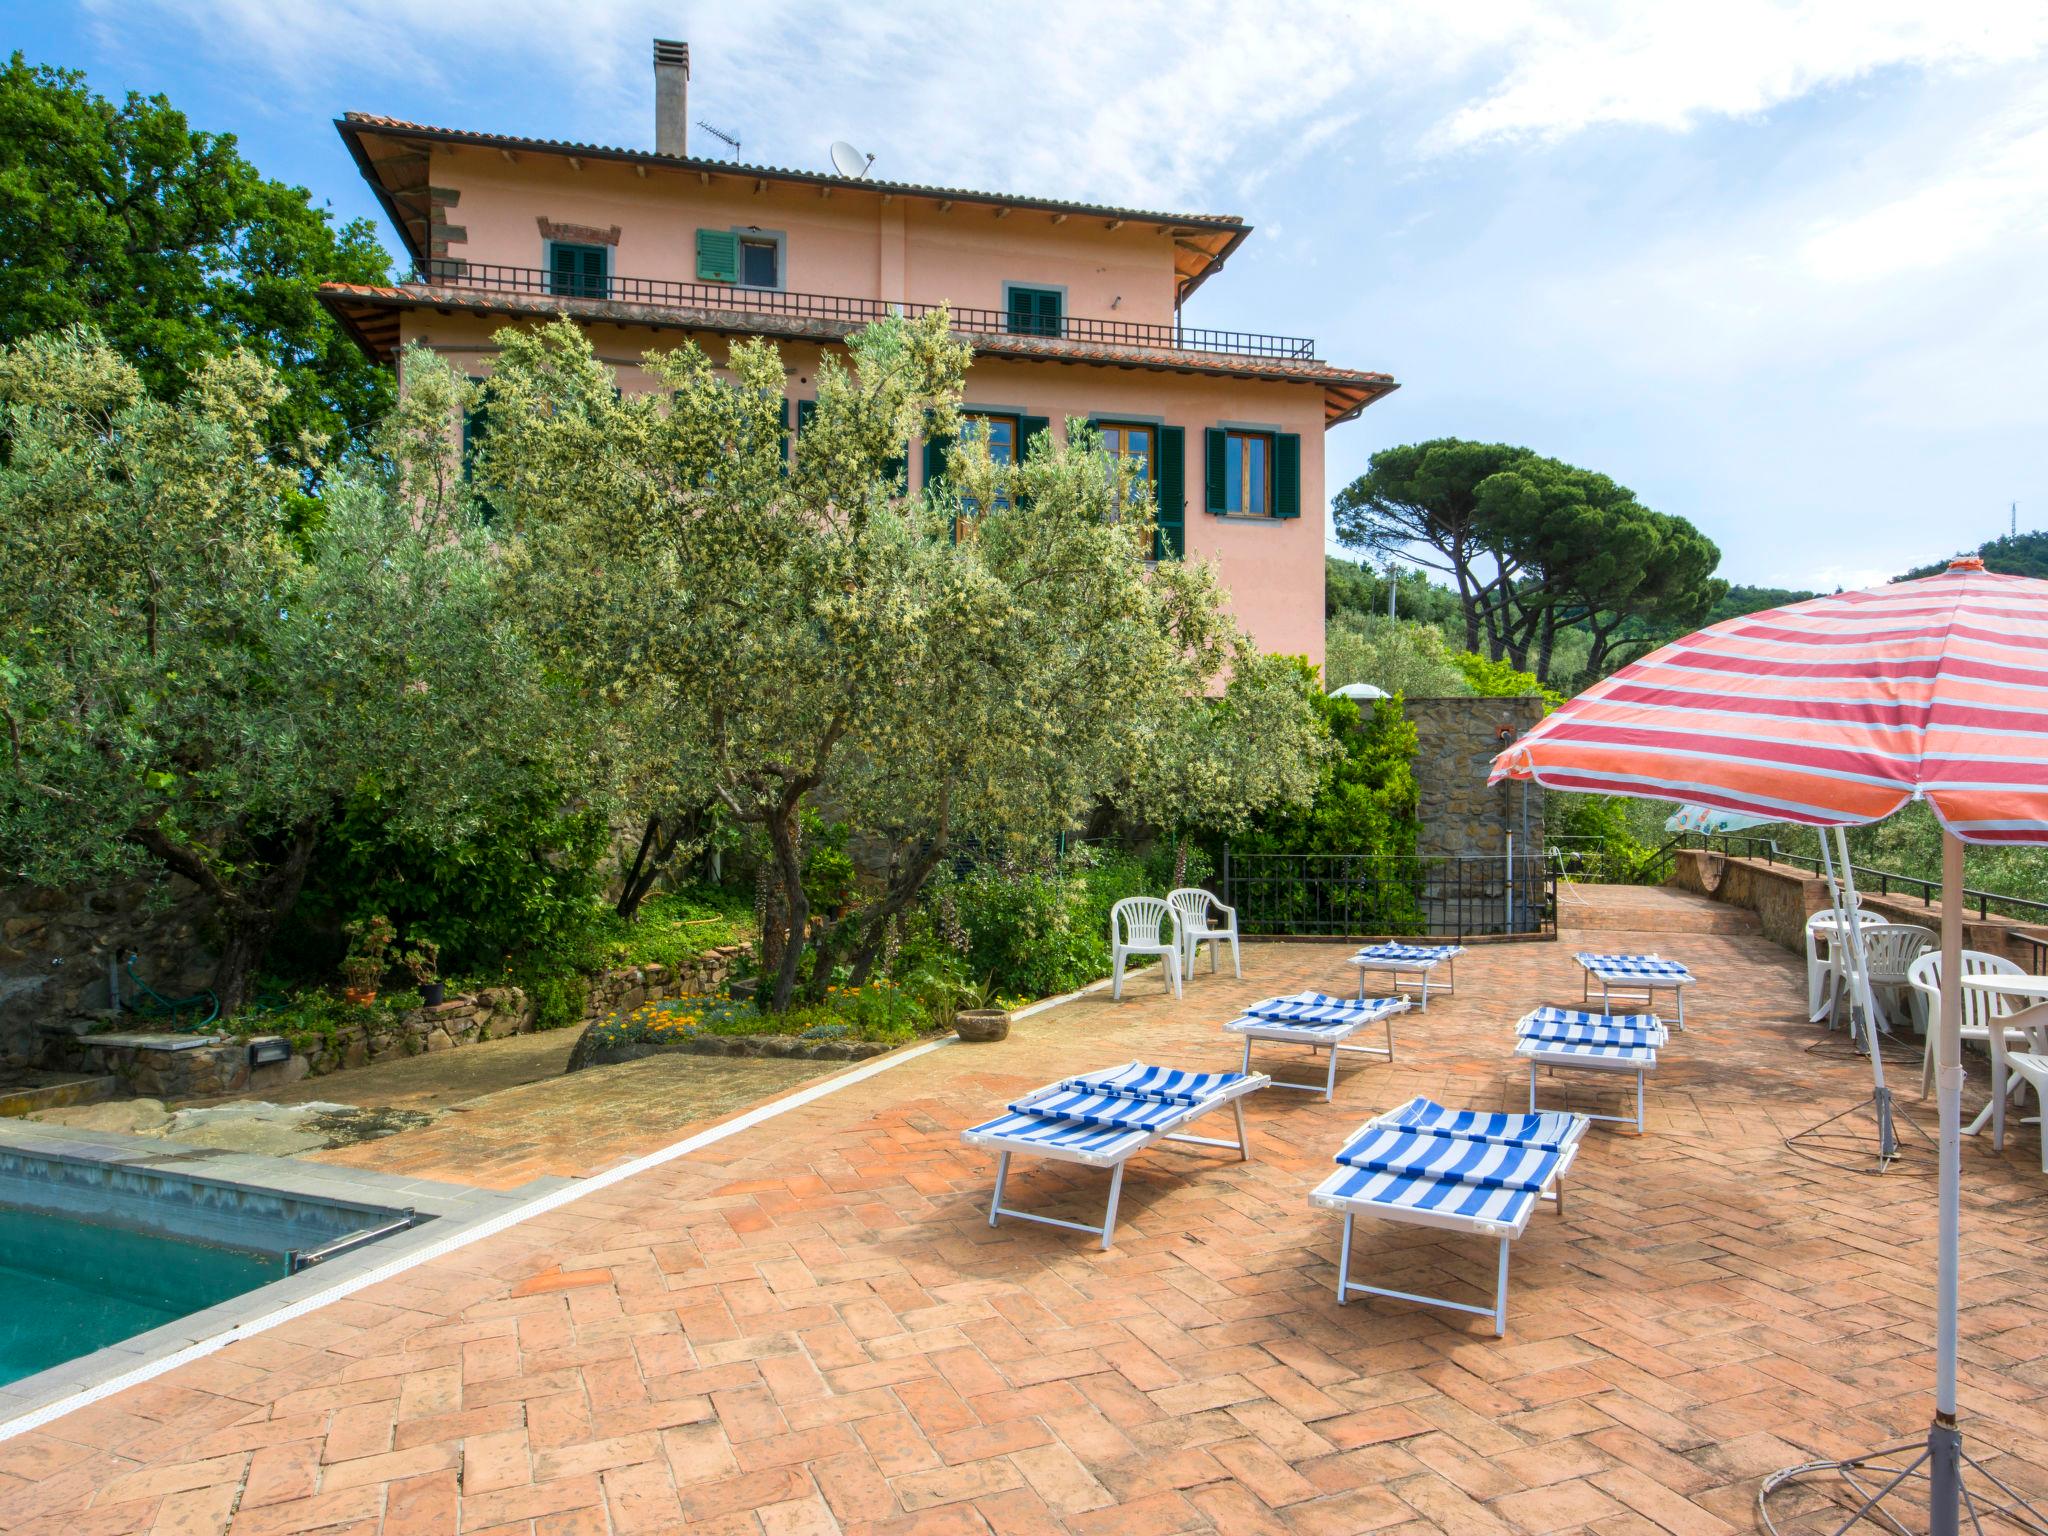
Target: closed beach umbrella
1836,712
1712,822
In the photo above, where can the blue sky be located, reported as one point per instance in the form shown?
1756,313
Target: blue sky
1776,267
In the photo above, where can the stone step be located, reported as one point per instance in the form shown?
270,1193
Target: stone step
1648,909
23,1093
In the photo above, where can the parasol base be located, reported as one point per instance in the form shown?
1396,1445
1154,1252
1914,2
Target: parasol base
1842,1494
1840,1142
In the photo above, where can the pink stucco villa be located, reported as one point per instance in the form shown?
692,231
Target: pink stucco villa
1072,310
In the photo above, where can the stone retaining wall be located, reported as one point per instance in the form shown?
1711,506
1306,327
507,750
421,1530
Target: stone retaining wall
591,1052
1783,896
55,945
173,1067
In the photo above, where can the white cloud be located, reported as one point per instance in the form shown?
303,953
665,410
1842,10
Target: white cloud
1671,65
1155,102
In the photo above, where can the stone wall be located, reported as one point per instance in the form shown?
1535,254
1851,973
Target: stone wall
173,1067
1456,741
1784,896
55,945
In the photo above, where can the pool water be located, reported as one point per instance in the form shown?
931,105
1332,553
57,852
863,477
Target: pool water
68,1287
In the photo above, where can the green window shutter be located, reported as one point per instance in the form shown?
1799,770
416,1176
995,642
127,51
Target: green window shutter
578,270
1035,312
1286,474
1215,445
1029,427
718,256
475,422
1170,494
896,470
935,459
806,413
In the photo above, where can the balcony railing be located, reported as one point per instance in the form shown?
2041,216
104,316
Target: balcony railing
666,293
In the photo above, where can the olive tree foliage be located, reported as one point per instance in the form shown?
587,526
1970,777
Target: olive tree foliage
187,689
1211,765
808,637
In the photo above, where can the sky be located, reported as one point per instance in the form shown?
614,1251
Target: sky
1776,267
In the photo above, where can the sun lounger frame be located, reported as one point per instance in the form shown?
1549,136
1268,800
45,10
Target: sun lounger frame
1420,969
1503,1232
1620,983
1115,1157
1561,1054
1319,1037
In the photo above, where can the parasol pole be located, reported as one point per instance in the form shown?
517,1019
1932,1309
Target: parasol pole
1944,1440
1862,1005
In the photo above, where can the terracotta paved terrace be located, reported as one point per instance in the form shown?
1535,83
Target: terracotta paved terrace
809,1327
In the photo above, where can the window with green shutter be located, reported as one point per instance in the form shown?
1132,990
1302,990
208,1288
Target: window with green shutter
1252,474
718,256
579,271
1037,311
1170,496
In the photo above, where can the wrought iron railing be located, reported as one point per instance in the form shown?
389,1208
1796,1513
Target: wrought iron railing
1361,895
667,293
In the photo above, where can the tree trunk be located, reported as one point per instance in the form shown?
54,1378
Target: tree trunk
783,835
250,914
1546,642
658,845
1180,861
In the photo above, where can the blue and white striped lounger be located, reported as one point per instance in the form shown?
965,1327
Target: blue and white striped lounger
1321,1023
1100,1118
1416,960
1632,976
1405,1166
1574,1040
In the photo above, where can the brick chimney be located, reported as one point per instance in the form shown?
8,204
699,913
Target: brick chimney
671,97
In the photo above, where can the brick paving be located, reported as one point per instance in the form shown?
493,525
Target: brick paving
810,1328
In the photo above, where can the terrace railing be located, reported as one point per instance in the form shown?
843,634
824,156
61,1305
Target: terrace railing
1298,895
667,293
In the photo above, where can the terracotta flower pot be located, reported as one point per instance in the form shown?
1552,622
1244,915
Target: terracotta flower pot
981,1026
362,997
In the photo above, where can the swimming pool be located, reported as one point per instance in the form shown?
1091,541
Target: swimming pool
68,1287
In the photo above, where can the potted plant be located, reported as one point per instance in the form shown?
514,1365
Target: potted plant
369,943
981,1019
423,962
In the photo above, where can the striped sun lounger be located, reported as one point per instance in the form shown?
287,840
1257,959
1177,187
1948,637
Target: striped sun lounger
1635,976
1100,1118
1571,1039
1416,960
1486,1177
1321,1023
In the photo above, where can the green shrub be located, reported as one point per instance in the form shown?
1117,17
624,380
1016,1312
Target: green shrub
1032,933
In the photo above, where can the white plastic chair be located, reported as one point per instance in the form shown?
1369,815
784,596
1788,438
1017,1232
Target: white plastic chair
1825,957
1137,926
1979,1009
1192,908
2015,1070
1889,949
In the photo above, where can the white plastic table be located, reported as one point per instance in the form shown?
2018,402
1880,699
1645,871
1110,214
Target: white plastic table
2035,990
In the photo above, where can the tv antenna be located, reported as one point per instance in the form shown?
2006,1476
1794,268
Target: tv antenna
722,135
850,162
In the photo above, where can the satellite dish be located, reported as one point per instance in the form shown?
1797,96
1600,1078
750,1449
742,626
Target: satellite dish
848,161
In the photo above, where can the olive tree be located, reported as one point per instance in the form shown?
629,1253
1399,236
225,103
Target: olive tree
983,659
193,676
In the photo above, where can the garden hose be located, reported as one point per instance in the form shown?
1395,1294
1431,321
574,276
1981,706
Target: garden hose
153,1004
